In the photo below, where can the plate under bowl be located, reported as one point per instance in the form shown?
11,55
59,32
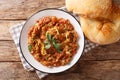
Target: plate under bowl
31,21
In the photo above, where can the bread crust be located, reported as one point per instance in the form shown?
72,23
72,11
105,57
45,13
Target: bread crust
101,31
100,19
90,8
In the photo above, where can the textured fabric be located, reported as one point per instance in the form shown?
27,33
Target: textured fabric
15,33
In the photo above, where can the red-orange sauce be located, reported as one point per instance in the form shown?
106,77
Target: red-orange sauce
53,41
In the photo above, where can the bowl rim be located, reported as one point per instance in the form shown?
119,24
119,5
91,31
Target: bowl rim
24,26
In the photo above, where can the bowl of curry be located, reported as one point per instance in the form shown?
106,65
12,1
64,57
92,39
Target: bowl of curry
51,40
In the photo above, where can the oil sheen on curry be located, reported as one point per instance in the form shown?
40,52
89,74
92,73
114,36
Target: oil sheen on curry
53,41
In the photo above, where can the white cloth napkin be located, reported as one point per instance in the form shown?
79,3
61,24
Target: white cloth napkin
15,33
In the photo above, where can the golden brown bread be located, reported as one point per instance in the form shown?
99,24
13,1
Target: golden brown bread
101,32
104,31
100,19
90,8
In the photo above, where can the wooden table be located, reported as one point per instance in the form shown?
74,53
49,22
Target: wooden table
101,63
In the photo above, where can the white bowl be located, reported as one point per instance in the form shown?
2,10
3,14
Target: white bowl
31,21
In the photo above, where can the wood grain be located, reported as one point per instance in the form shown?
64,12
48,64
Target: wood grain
84,70
4,29
22,9
117,2
107,52
15,71
8,51
91,70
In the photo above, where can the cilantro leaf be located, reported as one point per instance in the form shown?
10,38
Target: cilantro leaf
29,47
57,46
49,36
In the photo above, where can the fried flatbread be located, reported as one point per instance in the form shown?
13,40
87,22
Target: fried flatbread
90,8
104,31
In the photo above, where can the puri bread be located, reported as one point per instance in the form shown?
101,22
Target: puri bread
90,8
102,31
100,19
115,13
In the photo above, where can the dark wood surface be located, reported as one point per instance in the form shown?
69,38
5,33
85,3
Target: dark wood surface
101,63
